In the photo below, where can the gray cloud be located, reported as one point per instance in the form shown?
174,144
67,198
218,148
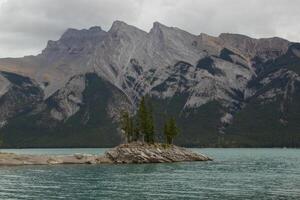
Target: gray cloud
25,26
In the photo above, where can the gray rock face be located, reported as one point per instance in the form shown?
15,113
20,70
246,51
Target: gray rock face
265,48
20,95
157,153
130,58
68,99
59,61
165,62
4,85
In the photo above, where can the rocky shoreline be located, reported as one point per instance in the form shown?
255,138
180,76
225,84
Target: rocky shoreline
125,153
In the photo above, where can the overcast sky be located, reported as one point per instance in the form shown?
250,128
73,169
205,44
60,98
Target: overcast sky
27,25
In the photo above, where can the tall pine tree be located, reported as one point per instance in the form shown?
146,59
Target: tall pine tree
136,131
145,121
170,130
150,125
142,119
127,125
167,132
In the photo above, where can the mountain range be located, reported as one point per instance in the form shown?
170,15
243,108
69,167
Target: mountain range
225,91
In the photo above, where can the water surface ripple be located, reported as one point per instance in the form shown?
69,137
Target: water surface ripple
234,174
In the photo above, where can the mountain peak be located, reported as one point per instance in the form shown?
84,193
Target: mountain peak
230,36
120,26
75,40
234,35
158,25
116,25
69,32
95,29
90,75
77,33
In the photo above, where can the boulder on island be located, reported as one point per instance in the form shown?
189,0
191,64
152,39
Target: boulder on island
138,152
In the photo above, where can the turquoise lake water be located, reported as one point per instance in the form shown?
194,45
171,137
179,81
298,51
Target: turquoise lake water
259,174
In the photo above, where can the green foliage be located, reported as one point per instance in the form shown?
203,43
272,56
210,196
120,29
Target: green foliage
145,121
150,125
167,132
259,124
140,127
170,130
199,126
127,125
142,117
136,131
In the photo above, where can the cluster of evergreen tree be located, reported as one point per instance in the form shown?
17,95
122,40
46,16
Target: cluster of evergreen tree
141,126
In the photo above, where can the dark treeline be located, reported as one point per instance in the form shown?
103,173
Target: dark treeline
141,127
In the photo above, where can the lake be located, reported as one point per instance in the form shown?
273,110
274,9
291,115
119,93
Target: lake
234,174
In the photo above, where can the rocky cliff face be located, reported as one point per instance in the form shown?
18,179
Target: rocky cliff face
210,83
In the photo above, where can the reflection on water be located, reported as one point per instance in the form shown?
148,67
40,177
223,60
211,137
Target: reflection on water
235,174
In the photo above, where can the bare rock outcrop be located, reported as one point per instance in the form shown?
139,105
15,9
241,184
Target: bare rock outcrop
136,152
10,159
152,153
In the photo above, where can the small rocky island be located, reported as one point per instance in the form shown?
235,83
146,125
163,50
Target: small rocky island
141,145
135,152
138,152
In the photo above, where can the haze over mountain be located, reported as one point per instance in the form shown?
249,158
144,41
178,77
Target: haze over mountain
230,90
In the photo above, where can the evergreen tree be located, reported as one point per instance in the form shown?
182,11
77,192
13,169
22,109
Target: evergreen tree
150,125
145,121
127,125
167,132
173,129
130,130
142,119
170,130
136,130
